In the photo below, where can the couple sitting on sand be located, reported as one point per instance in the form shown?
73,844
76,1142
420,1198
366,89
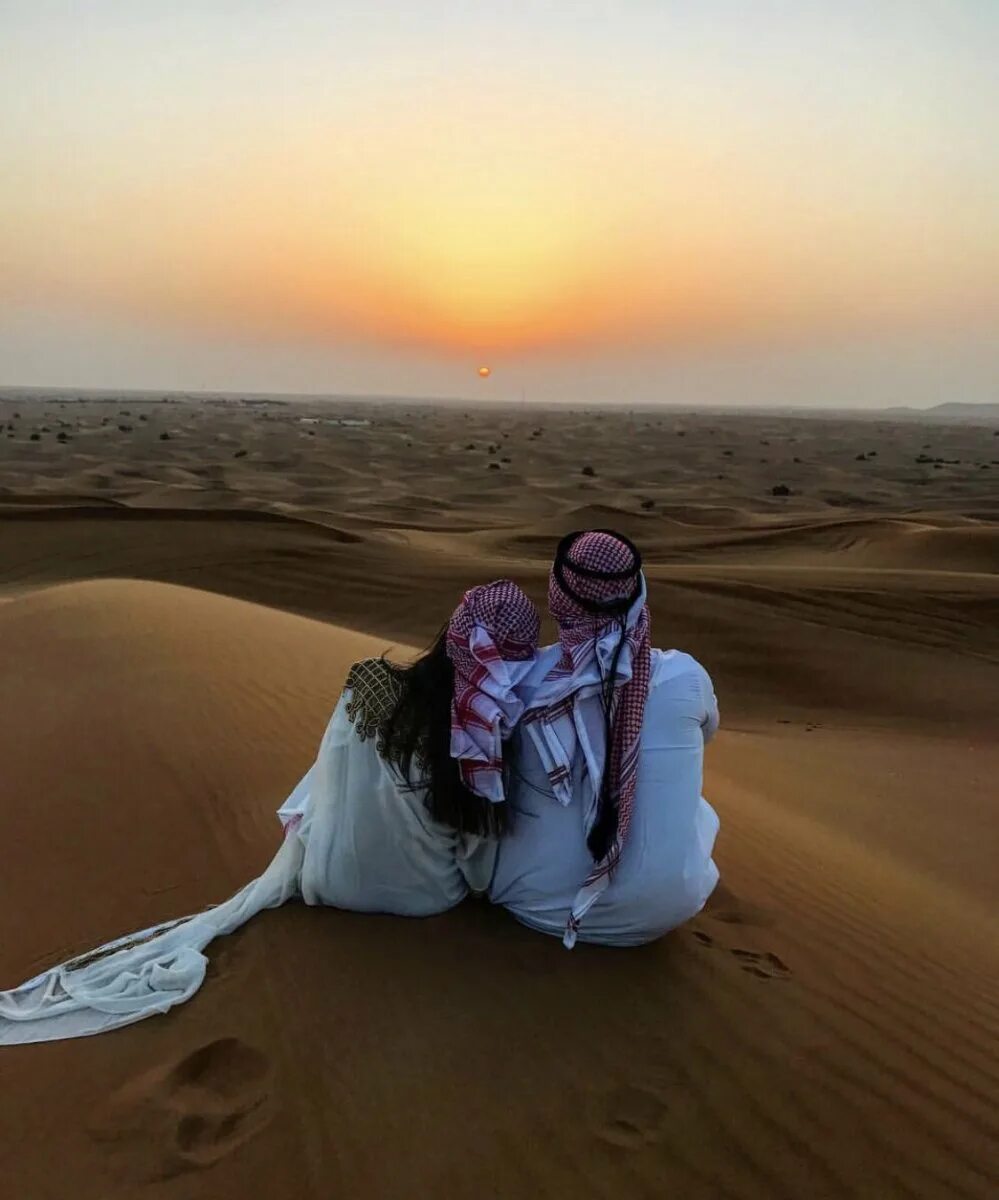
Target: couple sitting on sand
564,782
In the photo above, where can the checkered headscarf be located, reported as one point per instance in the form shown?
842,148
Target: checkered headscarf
492,641
596,568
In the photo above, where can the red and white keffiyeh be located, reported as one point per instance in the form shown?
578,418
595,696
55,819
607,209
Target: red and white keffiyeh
609,570
492,641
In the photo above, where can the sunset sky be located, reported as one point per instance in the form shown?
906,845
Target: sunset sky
728,201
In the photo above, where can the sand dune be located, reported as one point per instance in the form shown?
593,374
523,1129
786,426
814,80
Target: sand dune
175,625
108,680
780,637
828,1027
883,543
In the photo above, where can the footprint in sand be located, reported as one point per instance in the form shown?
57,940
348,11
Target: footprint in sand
632,1117
186,1115
765,965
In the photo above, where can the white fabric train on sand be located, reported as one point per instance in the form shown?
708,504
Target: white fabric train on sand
151,971
142,974
349,798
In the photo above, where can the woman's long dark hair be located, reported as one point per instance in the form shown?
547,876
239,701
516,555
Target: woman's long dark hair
416,741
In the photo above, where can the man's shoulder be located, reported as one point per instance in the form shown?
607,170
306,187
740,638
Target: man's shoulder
671,664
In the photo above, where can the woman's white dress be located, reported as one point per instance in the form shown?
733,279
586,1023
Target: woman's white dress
368,842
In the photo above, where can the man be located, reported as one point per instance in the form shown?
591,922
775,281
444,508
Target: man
611,839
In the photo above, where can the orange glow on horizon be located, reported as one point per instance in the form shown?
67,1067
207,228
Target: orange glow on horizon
468,230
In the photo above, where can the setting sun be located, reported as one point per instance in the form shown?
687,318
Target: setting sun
485,372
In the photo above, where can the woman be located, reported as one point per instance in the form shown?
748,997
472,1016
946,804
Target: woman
616,843
414,756
399,814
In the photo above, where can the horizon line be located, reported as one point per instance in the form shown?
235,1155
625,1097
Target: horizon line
91,393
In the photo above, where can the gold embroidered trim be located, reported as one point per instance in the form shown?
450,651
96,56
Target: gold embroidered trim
375,691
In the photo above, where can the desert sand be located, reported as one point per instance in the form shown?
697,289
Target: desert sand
177,614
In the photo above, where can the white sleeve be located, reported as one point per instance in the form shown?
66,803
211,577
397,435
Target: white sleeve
712,718
297,803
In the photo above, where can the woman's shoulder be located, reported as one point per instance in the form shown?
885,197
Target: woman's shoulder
373,689
373,671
